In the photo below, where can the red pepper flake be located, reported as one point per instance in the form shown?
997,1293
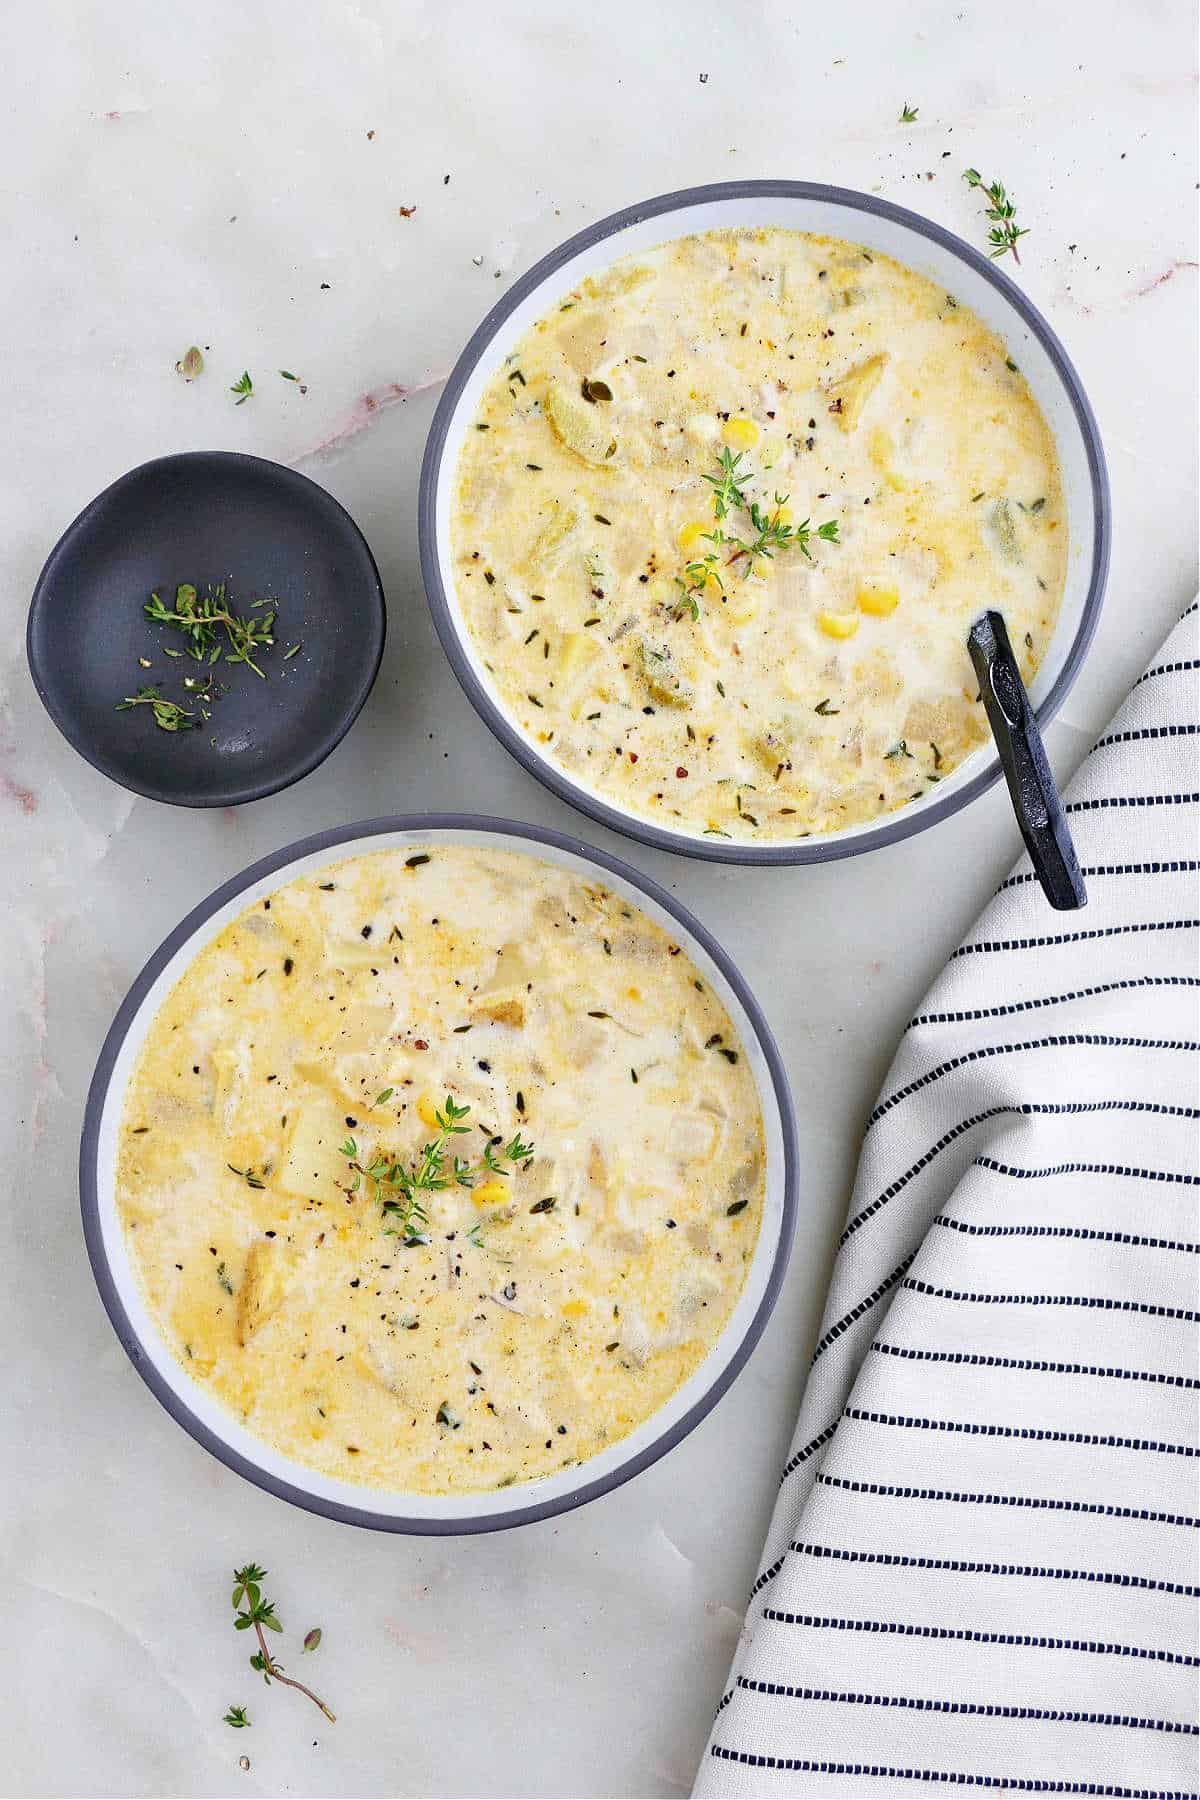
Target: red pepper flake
633,755
406,212
420,1044
681,773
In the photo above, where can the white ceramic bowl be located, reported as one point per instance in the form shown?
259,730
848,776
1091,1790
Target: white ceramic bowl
834,212
216,1428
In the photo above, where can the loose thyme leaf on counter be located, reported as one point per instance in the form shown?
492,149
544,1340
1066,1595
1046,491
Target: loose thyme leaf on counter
199,618
909,114
253,1613
243,387
190,364
1005,232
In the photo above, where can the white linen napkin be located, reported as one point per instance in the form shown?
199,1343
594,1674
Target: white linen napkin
981,1569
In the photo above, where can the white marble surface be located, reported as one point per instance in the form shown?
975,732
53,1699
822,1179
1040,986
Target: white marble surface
176,175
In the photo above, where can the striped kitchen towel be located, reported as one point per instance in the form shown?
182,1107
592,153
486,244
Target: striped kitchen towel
981,1570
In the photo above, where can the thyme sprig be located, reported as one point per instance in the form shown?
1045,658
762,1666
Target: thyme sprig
167,715
772,532
1005,232
201,618
253,1613
401,1191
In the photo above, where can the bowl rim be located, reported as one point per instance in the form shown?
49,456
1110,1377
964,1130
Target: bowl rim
319,747
895,827
90,1200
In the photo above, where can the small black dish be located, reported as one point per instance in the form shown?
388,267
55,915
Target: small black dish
204,517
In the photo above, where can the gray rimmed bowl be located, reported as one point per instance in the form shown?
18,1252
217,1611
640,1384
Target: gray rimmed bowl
833,212
204,1417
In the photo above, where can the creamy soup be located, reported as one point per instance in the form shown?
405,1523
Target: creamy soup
442,1168
724,517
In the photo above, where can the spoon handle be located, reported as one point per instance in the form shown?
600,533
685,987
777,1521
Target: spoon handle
1035,797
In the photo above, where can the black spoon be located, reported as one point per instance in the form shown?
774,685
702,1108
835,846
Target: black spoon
1036,800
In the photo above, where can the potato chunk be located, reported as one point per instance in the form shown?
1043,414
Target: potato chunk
503,1012
314,1164
662,678
586,429
264,1285
850,394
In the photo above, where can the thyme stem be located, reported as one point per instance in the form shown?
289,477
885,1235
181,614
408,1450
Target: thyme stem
272,1669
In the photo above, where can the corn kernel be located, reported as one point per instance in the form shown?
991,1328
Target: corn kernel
693,535
784,515
882,450
838,624
878,601
427,1111
490,1193
740,433
574,1309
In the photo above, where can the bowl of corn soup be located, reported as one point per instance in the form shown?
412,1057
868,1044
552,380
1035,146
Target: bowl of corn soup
714,495
439,1174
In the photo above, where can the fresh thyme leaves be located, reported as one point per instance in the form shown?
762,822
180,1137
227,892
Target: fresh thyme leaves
248,1176
167,715
401,1192
191,363
253,1613
1005,231
909,114
775,533
312,1638
243,387
773,525
200,618
726,486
